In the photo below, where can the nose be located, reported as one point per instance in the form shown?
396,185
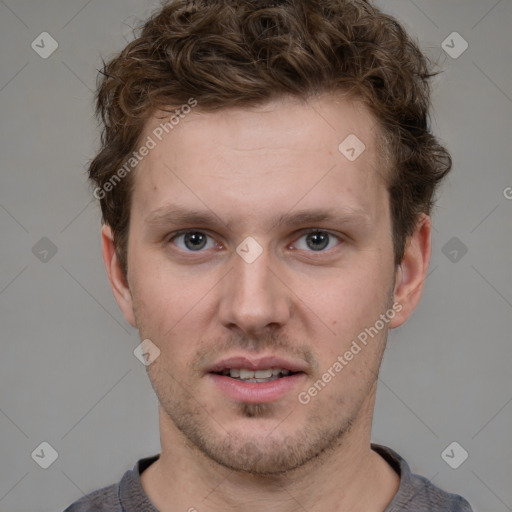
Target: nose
254,297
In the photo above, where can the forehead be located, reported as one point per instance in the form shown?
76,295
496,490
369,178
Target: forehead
266,158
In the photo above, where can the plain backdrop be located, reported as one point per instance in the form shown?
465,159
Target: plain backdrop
68,375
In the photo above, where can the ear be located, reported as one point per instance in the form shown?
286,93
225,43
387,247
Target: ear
116,276
412,271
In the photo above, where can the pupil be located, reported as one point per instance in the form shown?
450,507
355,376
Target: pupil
195,240
318,241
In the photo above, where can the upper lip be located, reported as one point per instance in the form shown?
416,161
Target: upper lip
254,364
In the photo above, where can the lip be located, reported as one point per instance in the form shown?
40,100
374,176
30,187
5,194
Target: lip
262,363
257,392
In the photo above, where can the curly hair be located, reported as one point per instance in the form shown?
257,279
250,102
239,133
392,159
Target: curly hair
242,53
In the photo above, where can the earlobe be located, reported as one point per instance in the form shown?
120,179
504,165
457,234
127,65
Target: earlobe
116,277
412,271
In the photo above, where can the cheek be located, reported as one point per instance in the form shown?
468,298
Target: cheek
350,304
166,295
350,295
172,309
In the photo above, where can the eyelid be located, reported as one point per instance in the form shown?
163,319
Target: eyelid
298,235
175,234
307,231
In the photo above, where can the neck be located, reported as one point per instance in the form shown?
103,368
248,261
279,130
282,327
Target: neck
350,476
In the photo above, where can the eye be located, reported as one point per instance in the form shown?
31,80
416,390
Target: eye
193,241
317,240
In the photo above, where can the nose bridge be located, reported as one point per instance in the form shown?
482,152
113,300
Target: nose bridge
253,278
253,297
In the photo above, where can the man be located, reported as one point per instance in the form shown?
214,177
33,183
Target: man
266,177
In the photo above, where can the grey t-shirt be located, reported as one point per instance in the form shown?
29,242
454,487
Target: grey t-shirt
415,493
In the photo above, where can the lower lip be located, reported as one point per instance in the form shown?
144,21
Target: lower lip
257,392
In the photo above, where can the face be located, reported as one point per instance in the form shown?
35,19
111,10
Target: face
255,245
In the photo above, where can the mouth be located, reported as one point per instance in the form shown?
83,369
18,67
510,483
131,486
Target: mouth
260,380
247,375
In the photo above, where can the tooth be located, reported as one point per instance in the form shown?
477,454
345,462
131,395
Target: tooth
263,374
250,375
246,374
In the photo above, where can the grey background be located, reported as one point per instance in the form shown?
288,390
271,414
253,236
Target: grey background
68,375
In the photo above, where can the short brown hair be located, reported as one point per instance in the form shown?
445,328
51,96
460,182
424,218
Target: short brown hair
241,53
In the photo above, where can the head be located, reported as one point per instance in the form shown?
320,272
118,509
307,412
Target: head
242,108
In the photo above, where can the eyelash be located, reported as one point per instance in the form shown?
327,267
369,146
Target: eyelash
303,234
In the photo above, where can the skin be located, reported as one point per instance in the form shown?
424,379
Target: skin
198,307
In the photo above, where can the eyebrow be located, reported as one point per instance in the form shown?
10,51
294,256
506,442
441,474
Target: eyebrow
170,215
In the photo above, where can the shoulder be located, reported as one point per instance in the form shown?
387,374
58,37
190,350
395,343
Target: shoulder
105,499
126,495
426,496
416,492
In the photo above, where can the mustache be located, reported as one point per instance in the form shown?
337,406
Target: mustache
270,343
